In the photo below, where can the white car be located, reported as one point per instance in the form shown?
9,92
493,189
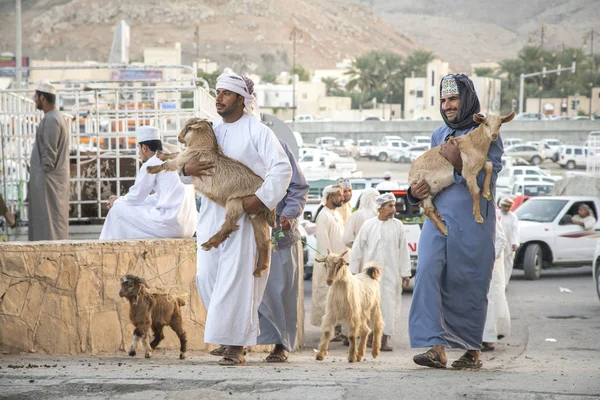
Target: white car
548,238
391,148
572,157
325,141
596,268
508,176
529,116
533,154
525,188
409,154
420,140
511,142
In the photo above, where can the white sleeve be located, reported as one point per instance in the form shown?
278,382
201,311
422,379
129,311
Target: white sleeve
404,254
589,223
357,253
515,231
144,184
279,170
349,234
501,241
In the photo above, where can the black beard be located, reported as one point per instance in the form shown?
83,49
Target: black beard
336,205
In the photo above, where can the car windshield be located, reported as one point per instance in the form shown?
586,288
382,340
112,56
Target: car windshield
540,210
538,190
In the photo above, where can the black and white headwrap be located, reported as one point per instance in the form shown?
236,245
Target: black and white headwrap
469,103
243,86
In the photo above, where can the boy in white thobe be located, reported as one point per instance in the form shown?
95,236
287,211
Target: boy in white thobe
383,242
224,277
497,322
168,213
510,226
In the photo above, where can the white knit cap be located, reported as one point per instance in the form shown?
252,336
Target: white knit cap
146,133
384,198
46,87
506,202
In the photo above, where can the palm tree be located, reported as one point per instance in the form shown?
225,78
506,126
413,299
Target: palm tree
417,62
332,85
363,73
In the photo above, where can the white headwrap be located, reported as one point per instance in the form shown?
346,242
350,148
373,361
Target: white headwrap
368,198
507,202
244,87
331,189
345,183
384,198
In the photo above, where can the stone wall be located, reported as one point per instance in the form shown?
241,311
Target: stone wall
63,297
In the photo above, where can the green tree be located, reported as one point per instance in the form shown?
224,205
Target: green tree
417,62
303,73
485,72
268,78
332,86
210,78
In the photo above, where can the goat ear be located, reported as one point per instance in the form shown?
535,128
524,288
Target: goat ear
479,118
196,126
328,252
143,282
508,118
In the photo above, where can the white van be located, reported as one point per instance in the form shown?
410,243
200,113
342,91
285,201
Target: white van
420,140
572,157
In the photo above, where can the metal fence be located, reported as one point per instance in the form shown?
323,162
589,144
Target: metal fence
101,118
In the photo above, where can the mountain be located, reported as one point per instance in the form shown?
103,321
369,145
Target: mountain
470,31
250,35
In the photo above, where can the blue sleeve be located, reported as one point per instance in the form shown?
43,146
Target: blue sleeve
297,191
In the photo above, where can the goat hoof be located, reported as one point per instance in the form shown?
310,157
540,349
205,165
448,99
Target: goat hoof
132,353
320,356
479,219
182,356
488,196
206,246
148,355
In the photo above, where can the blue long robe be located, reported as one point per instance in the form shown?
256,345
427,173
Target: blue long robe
449,302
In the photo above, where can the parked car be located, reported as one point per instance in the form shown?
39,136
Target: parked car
410,154
363,148
533,154
596,268
420,140
423,118
572,157
325,142
548,238
549,151
389,149
522,190
511,142
529,116
509,175
370,118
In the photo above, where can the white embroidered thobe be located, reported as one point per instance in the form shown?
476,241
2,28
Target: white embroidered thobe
168,213
345,211
330,229
385,244
497,321
510,226
224,276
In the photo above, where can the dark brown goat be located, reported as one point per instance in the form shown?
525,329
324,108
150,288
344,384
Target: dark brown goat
151,310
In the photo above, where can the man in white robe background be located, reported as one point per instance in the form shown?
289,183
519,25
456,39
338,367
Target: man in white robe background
345,210
224,277
170,212
330,229
367,209
387,183
383,242
497,322
510,226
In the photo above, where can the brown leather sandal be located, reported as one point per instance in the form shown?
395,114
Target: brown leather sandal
467,361
431,358
232,358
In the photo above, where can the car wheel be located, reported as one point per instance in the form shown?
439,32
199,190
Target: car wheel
382,157
597,278
571,165
535,160
532,262
307,276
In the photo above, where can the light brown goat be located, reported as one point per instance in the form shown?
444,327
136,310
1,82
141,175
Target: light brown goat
230,182
355,300
152,310
434,169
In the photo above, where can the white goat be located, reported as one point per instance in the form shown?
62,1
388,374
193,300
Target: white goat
434,169
355,300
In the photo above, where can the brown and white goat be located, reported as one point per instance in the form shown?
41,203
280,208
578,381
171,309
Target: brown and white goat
230,182
355,300
151,310
434,169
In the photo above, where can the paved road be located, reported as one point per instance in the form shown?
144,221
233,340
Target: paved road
524,366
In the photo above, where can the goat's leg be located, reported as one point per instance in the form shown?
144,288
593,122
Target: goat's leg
170,165
430,211
146,343
352,351
377,321
327,328
364,333
474,190
233,210
177,326
138,333
488,168
158,336
263,244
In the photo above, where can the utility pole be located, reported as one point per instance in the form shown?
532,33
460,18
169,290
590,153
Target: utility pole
543,74
542,41
197,37
293,36
19,54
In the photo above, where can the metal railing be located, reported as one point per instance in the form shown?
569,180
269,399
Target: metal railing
101,118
